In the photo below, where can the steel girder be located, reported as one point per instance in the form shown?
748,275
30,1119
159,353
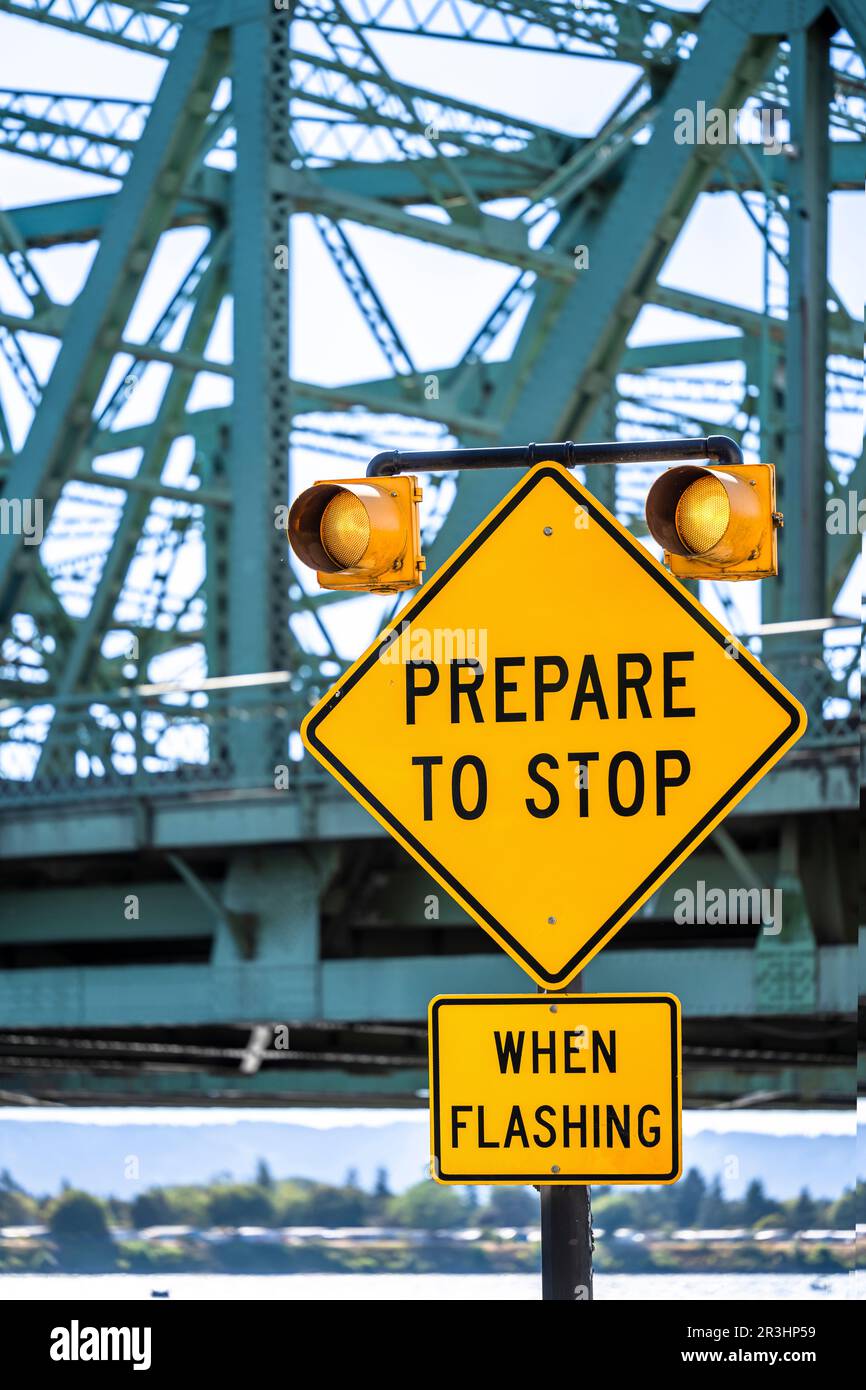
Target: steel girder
710,982
724,1081
398,182
60,431
143,27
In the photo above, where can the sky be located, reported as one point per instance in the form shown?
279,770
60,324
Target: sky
437,298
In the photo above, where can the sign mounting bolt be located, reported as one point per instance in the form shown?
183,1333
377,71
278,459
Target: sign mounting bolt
548,530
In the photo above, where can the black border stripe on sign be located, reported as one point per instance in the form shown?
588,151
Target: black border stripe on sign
427,594
547,1000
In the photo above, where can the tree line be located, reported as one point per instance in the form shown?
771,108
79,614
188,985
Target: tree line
267,1201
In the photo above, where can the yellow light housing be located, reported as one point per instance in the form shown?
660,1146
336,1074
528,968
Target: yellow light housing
360,533
716,523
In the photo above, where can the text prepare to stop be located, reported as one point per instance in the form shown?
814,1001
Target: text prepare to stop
543,690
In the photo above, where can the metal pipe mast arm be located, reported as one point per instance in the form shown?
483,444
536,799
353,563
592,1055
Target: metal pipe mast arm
716,448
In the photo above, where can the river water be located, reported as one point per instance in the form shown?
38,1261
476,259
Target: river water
433,1288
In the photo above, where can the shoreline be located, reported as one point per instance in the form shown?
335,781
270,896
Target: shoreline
445,1257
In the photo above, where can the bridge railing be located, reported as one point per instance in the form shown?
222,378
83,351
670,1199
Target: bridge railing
820,662
242,733
151,744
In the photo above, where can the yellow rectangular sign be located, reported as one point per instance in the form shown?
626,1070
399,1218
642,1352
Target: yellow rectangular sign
555,1088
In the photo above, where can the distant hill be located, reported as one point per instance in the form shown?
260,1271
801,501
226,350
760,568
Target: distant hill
124,1159
785,1163
105,1158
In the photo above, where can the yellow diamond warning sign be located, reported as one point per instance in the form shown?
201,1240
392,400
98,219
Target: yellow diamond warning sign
552,724
566,1088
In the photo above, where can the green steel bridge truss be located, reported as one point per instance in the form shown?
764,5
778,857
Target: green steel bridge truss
269,117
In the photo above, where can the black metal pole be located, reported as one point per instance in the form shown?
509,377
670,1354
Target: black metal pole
566,1244
566,1229
716,448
